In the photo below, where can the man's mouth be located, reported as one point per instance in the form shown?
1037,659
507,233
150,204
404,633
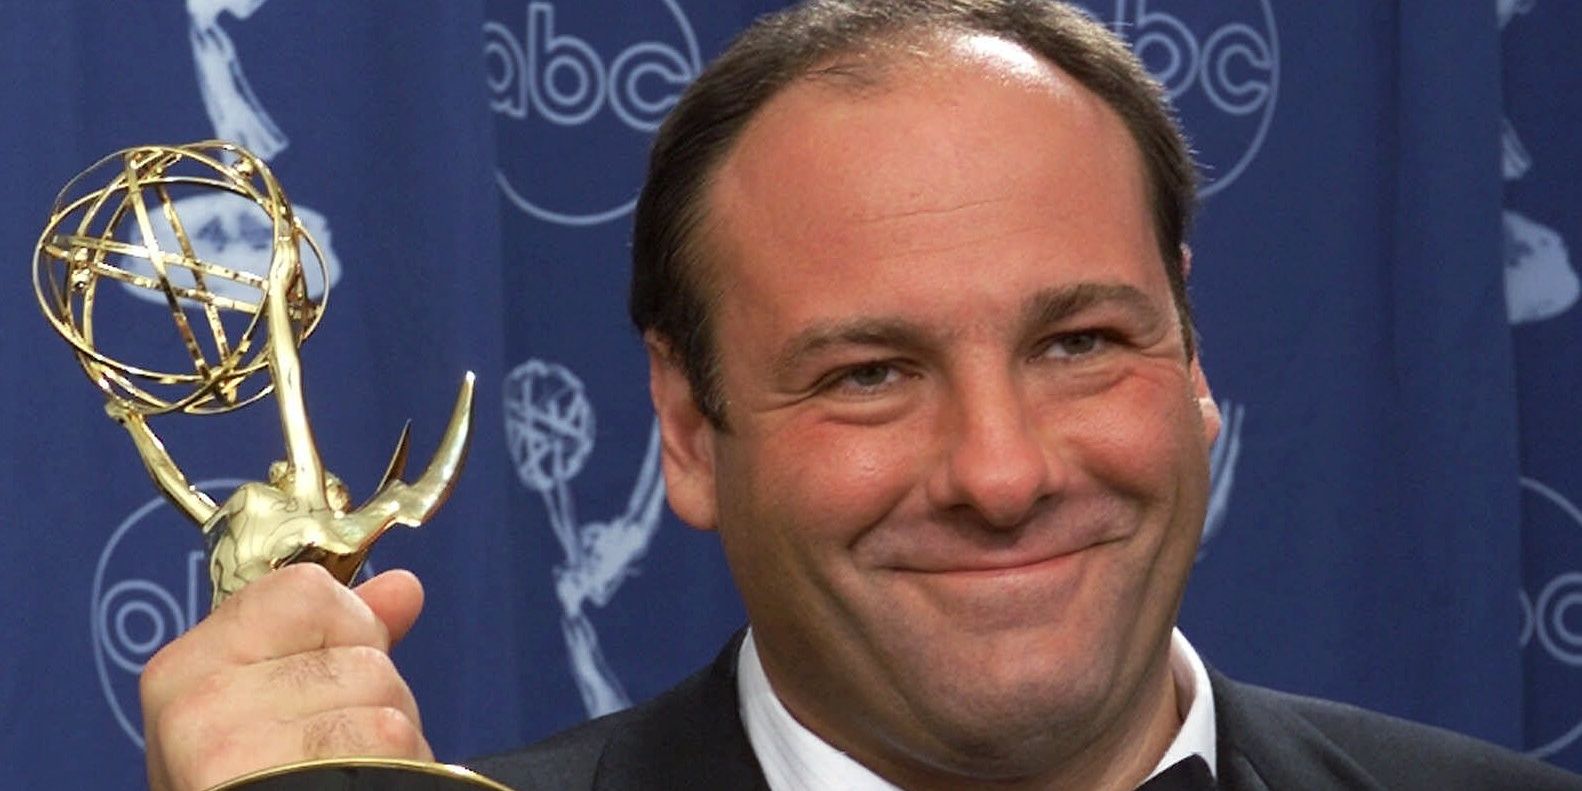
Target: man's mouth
975,562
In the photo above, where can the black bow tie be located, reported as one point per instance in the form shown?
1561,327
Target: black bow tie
1188,774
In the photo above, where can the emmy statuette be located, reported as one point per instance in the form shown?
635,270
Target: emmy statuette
121,222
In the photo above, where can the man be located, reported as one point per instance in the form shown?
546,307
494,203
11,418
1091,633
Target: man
912,281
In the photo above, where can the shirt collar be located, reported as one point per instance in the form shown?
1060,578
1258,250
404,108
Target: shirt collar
794,759
1195,700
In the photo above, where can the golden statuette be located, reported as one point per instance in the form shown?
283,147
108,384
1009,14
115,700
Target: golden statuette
119,245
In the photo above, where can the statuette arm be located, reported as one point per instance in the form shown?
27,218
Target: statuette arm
198,506
412,504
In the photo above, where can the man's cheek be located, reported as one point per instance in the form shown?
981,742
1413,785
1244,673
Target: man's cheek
861,474
1137,438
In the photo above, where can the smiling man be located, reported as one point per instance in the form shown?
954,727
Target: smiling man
961,464
911,276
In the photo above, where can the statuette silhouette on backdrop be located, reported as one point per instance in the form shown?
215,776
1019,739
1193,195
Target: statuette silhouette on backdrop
106,225
549,429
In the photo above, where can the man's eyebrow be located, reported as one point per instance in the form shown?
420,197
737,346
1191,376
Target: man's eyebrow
1053,305
1049,306
875,331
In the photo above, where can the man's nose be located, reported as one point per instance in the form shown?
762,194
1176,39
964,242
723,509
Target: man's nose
996,461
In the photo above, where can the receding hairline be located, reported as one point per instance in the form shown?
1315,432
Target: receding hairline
874,66
871,63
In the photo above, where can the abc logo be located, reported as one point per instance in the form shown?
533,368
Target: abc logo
574,83
150,585
1220,65
1551,631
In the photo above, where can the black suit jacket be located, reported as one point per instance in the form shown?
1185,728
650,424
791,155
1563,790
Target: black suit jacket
691,737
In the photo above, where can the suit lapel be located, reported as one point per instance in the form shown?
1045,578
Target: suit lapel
1264,744
1236,773
693,738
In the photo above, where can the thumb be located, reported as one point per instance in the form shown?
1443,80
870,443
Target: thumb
396,597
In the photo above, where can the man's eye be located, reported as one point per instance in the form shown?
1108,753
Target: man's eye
1076,344
866,378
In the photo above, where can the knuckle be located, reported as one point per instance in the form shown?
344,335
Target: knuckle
369,657
186,718
309,588
158,674
330,735
394,730
374,664
263,601
301,599
373,730
309,573
308,669
193,747
378,671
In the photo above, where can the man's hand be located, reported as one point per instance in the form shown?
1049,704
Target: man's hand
295,667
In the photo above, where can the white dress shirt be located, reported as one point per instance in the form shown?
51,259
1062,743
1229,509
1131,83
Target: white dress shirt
794,759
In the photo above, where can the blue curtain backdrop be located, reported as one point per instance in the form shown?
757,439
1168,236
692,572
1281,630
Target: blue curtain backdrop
1382,276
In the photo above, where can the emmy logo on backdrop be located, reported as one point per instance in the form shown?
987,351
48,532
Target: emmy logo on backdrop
1540,282
228,97
1222,471
222,226
549,428
233,351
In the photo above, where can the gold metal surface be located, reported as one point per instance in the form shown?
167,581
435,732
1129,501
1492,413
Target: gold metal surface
457,776
109,232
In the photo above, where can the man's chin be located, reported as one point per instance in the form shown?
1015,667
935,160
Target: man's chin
1003,739
1007,720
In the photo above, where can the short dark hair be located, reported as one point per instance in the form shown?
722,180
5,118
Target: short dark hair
668,288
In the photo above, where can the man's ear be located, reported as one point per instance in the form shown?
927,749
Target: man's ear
686,437
1205,397
1205,402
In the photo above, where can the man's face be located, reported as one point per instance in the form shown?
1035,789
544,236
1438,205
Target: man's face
966,463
